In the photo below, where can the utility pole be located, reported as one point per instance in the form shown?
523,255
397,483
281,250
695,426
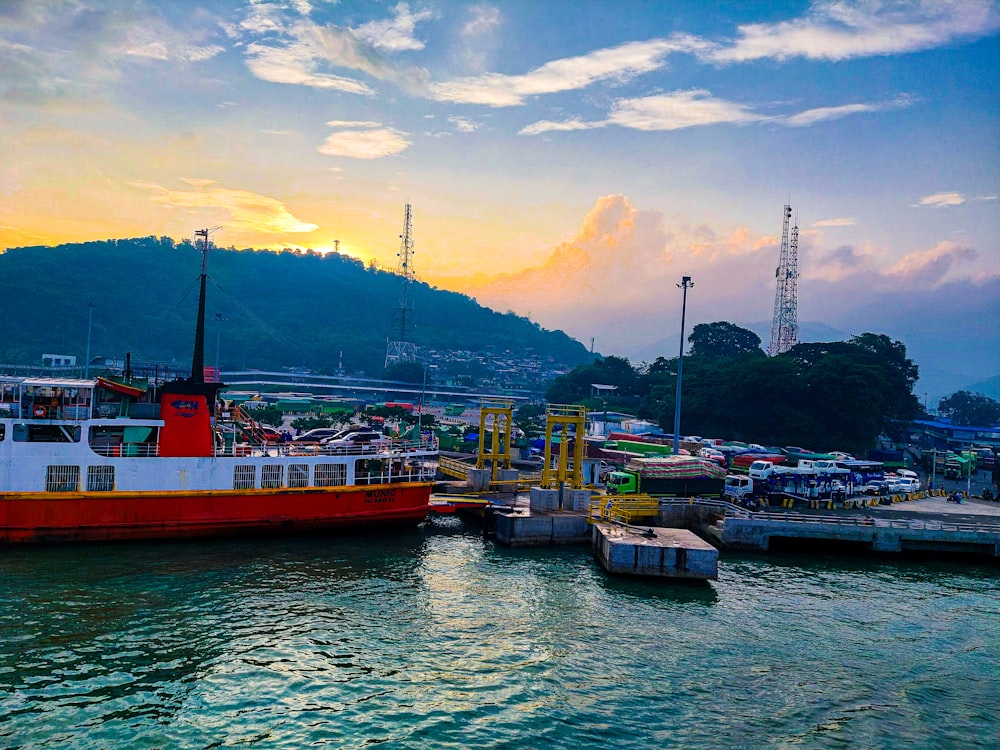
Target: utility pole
685,284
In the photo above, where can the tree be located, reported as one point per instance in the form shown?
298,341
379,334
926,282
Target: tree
970,409
575,387
406,372
723,340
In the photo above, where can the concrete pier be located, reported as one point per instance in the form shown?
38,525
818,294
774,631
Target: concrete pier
879,534
659,552
518,528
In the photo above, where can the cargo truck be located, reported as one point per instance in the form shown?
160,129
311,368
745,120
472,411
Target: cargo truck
669,476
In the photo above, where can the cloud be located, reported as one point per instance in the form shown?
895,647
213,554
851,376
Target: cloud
246,210
941,200
68,50
569,74
477,37
290,48
823,114
842,222
696,108
681,109
396,33
463,124
545,126
611,277
371,143
985,198
929,268
297,62
843,30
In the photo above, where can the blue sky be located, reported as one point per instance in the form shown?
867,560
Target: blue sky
569,161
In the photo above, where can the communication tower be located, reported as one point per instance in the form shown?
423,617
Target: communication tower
785,323
402,349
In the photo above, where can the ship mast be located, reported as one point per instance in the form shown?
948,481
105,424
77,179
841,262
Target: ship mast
198,359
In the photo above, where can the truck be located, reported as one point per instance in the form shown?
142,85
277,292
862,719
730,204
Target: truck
807,468
751,493
669,476
742,490
741,463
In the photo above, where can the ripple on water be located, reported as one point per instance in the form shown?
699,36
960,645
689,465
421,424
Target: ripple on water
415,640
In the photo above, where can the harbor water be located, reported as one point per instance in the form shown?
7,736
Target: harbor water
435,637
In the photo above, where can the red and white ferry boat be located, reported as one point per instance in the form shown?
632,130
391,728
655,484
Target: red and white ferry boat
117,457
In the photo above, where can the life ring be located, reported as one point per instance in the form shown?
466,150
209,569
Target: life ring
39,411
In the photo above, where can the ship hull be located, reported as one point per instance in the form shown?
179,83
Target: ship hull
96,516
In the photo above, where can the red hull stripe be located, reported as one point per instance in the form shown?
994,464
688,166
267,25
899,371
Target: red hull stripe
36,517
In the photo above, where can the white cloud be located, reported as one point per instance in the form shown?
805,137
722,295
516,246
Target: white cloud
477,39
842,222
930,267
686,109
463,124
847,29
296,63
614,63
354,124
985,198
365,144
245,210
394,34
545,126
681,109
941,200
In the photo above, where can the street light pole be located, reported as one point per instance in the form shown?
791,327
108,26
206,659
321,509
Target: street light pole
90,328
685,284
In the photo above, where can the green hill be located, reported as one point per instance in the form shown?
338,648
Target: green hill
288,309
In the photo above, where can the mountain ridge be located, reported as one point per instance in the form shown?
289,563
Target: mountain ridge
264,309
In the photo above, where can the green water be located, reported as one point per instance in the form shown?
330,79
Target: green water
437,638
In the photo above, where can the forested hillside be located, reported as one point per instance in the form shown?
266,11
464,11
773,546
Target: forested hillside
278,310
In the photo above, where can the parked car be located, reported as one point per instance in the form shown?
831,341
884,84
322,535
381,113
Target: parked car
876,487
908,484
356,441
315,436
341,434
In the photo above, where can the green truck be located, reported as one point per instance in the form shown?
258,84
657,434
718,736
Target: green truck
669,476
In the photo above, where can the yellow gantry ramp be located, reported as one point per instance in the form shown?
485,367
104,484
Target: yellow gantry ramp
497,416
561,418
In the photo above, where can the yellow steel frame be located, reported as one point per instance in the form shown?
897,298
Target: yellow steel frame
624,509
498,416
563,417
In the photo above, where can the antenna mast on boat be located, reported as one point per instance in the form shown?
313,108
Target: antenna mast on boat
198,360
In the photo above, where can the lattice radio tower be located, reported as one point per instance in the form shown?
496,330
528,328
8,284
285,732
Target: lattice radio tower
785,323
402,349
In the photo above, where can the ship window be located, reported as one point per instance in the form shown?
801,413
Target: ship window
100,478
46,433
331,475
62,478
3,431
298,475
244,477
270,476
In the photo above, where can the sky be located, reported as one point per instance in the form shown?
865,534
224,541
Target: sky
570,161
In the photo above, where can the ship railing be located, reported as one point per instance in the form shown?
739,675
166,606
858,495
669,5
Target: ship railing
127,450
381,448
416,474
